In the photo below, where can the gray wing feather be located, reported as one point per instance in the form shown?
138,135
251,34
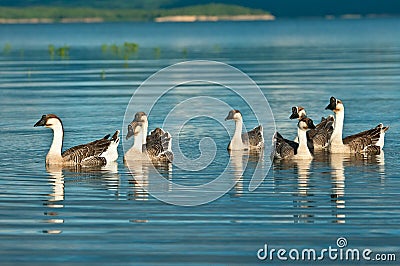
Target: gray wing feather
157,145
284,148
322,133
254,137
364,140
87,153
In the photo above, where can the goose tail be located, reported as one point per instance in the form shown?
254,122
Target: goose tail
166,142
381,141
111,153
115,137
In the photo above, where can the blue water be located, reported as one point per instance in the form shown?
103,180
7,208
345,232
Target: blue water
65,216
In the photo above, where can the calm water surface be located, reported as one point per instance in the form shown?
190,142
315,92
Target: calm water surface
59,216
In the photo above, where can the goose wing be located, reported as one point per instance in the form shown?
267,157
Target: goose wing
284,148
88,153
364,141
322,133
158,145
254,137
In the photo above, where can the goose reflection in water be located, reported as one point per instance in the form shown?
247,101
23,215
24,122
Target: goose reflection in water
338,186
338,164
304,202
238,162
56,198
59,176
241,161
141,171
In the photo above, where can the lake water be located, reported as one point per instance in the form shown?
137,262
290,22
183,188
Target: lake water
55,216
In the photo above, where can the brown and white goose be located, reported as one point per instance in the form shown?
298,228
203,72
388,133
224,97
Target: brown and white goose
288,149
319,137
369,141
96,153
156,146
252,140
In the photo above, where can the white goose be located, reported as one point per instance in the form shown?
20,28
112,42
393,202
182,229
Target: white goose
252,140
156,146
288,149
369,141
96,153
319,137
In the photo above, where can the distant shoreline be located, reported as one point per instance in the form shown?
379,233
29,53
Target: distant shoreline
185,18
181,18
49,20
59,14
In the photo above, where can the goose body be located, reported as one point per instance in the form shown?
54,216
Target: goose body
252,140
96,153
369,141
156,146
319,137
288,149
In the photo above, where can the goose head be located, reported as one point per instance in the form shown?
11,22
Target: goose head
298,112
134,128
234,115
305,124
335,105
140,117
50,121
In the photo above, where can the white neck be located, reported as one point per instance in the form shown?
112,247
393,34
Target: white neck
337,133
145,128
56,146
303,148
236,142
138,142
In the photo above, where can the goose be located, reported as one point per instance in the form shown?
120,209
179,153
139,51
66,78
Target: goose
288,149
319,137
96,153
369,141
156,146
252,140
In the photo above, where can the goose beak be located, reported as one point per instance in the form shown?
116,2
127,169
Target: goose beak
332,104
130,132
295,113
229,117
41,122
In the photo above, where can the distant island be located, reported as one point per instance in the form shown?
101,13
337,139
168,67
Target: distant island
209,12
66,11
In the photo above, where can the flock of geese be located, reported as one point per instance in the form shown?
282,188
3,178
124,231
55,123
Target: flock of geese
156,146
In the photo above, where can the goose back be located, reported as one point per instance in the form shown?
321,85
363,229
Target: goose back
254,138
158,145
90,153
284,148
366,140
322,133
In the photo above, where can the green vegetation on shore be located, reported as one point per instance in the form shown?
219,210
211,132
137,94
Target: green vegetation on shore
71,14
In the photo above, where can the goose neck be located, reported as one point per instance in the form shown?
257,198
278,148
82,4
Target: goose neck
238,130
56,146
144,131
303,148
337,134
138,141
